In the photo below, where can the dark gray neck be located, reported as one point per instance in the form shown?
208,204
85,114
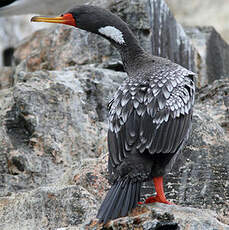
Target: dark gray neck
120,35
131,52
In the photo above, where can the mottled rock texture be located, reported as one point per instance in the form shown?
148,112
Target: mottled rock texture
12,31
6,79
163,217
47,208
213,53
202,13
53,123
54,119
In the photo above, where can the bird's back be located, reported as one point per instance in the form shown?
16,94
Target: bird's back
150,118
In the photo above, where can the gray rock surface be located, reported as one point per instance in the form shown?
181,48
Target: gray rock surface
214,53
53,152
12,31
161,216
213,100
46,121
202,13
157,30
47,208
6,79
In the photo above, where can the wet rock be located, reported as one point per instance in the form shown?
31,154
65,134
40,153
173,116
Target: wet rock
213,51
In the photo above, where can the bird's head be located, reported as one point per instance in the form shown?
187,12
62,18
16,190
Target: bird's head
102,22
93,19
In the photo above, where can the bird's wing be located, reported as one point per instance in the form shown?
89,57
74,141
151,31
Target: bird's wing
153,117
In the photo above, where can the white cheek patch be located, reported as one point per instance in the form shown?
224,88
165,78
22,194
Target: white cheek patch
113,33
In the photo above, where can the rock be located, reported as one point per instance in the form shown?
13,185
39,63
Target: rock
157,30
93,175
161,216
45,120
75,47
209,44
213,99
202,13
6,77
12,30
47,207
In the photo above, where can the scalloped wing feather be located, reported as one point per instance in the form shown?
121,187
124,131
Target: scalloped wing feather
154,115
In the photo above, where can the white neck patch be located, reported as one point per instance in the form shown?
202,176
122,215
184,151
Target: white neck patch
113,33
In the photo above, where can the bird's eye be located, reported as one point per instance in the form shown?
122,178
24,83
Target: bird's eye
61,15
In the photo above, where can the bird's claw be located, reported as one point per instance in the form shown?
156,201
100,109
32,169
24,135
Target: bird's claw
154,199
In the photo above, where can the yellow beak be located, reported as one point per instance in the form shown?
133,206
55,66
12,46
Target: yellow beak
48,19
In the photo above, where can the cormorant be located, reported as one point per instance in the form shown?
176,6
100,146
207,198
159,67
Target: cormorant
149,116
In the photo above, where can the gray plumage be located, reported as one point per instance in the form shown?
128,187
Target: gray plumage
155,109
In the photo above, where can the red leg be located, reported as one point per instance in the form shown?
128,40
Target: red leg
160,197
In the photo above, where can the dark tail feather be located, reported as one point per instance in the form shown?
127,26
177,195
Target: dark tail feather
122,198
